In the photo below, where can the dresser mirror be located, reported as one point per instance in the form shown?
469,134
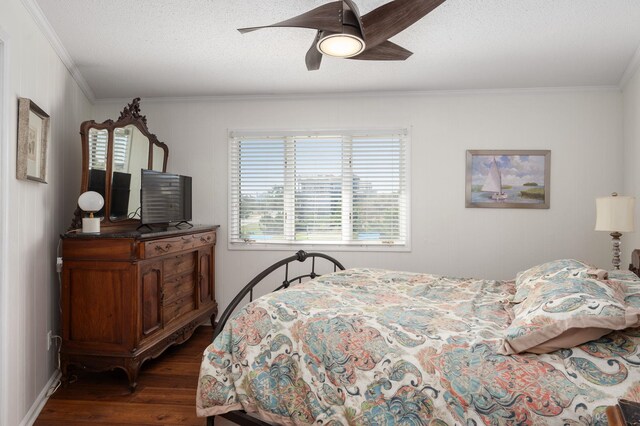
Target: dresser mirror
113,153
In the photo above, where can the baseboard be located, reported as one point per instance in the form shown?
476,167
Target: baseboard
38,404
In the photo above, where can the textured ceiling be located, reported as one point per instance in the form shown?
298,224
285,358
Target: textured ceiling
166,48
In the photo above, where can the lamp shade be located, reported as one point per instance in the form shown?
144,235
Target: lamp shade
615,214
90,201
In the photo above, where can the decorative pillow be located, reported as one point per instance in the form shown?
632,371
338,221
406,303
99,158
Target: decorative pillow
562,313
556,270
631,283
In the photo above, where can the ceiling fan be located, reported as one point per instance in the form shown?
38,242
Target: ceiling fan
343,33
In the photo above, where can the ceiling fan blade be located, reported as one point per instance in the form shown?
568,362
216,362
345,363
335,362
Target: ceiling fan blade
313,58
355,16
385,51
391,18
321,18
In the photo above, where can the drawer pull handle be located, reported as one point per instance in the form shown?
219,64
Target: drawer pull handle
161,249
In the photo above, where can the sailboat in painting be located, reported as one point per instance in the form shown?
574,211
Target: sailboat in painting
494,182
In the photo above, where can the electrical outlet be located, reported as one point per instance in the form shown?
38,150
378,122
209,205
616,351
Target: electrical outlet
49,334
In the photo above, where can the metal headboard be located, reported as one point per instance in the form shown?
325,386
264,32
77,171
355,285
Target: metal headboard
300,256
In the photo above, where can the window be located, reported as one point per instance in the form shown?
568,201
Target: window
121,149
343,188
98,141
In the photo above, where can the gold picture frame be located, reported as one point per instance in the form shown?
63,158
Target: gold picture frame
519,179
33,139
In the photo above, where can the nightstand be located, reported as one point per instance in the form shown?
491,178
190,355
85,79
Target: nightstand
625,413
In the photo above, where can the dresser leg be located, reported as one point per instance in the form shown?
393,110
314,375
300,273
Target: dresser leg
132,367
214,314
64,370
213,320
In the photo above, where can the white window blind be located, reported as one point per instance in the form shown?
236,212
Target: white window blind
121,149
98,141
346,188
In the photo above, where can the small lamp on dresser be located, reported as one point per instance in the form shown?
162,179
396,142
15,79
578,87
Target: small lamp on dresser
90,202
615,214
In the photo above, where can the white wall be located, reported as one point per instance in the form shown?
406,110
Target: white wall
36,213
583,130
631,120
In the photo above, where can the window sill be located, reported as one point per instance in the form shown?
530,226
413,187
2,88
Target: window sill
405,248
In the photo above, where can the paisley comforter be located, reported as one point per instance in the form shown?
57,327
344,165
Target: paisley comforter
377,347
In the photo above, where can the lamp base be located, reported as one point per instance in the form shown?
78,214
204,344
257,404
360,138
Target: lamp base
616,249
90,225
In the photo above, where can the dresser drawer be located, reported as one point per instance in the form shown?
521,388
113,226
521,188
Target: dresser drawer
98,249
173,310
178,287
178,265
170,245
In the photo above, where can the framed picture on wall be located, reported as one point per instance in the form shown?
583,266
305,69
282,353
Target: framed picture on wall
33,138
508,179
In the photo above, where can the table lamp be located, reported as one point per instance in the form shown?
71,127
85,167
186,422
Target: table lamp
615,214
90,202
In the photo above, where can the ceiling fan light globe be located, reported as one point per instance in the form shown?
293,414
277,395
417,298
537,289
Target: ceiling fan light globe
341,45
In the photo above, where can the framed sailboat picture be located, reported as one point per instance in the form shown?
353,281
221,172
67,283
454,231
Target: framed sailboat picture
508,179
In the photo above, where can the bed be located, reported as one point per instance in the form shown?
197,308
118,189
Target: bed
368,346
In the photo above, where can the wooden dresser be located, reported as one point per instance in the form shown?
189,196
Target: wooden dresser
128,295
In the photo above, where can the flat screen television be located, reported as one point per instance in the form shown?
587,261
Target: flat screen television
164,198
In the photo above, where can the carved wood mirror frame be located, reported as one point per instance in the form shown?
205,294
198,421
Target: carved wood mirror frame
130,115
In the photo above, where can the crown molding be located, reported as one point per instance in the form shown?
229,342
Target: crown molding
633,66
47,30
350,95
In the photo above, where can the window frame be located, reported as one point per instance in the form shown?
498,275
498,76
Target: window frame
329,245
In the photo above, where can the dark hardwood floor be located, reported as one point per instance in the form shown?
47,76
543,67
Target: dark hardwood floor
165,395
